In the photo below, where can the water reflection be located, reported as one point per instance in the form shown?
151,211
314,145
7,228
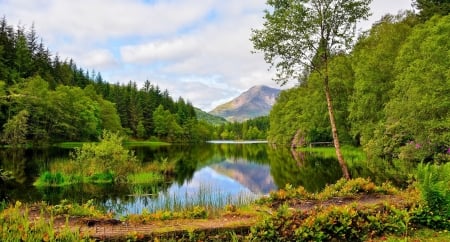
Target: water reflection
232,169
303,169
207,188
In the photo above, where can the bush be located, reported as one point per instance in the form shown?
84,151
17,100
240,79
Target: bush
340,223
106,157
434,184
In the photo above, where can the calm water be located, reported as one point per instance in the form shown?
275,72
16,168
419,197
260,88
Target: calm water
213,173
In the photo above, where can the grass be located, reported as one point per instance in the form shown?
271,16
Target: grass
16,225
423,235
70,145
350,153
145,178
145,143
206,199
62,179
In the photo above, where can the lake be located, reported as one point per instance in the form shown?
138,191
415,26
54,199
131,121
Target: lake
212,174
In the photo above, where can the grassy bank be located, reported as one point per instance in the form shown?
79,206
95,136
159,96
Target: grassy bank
355,210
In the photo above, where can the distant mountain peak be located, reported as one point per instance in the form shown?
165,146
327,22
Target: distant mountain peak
255,102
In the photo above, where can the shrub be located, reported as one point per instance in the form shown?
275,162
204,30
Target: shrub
104,162
107,156
434,185
340,223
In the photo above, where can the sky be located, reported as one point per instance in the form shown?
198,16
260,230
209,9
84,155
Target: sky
197,49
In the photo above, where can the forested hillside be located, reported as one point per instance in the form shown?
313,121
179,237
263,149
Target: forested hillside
45,99
391,93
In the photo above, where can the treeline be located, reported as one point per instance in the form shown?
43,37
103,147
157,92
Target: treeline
252,129
45,99
391,93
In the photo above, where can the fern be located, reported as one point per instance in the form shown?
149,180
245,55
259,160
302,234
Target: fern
434,183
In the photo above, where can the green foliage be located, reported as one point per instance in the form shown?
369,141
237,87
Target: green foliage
104,162
297,35
50,179
393,100
17,225
107,156
373,59
251,129
303,110
16,129
434,184
211,119
87,209
165,124
417,121
341,223
342,188
145,178
429,8
67,103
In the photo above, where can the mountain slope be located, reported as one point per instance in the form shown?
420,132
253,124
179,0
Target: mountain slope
255,102
209,118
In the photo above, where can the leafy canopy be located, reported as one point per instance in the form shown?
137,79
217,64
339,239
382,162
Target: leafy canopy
297,33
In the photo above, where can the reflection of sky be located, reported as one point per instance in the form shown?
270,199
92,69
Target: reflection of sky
206,184
209,178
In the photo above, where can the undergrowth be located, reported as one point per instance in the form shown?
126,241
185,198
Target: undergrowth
425,204
342,188
16,225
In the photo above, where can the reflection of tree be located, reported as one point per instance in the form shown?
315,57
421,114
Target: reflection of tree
14,161
380,171
310,171
313,170
251,152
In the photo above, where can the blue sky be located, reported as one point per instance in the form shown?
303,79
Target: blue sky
197,49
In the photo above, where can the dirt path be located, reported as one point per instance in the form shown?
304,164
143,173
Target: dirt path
174,229
115,230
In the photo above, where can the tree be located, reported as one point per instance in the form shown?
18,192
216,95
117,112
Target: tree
417,124
166,124
373,59
301,36
429,8
16,129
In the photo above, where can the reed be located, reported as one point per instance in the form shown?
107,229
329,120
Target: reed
207,197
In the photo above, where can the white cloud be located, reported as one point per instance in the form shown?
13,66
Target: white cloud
102,19
197,49
166,50
100,58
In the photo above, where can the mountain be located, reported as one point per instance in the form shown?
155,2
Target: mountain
255,102
255,177
209,118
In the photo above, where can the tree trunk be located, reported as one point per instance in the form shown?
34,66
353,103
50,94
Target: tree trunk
334,132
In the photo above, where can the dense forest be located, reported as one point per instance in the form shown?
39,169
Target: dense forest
390,92
46,99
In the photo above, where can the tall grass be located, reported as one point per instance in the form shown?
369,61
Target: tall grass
145,178
208,197
16,225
